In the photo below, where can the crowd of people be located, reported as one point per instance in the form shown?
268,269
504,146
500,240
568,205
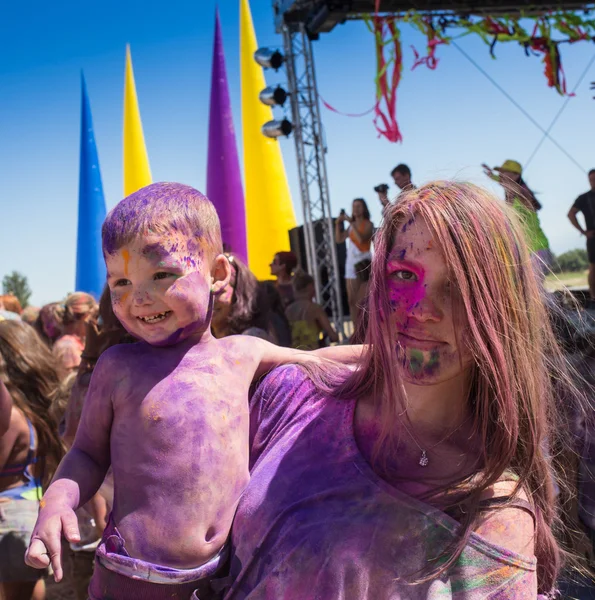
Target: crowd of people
199,434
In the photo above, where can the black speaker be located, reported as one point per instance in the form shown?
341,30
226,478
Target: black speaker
298,247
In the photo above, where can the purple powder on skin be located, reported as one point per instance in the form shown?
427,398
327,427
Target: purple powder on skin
409,223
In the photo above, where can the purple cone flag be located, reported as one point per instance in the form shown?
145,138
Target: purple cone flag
224,182
90,266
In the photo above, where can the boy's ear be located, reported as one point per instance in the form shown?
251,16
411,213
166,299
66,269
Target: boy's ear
220,273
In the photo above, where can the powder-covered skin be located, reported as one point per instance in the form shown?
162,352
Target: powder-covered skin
170,413
422,307
317,523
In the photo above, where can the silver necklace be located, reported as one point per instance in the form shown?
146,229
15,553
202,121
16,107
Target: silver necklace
424,461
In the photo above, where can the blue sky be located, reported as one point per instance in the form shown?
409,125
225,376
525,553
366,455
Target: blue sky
452,119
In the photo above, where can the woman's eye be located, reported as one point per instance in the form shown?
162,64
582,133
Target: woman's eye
404,275
121,282
161,275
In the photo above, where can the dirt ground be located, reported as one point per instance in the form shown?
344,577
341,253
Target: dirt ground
58,591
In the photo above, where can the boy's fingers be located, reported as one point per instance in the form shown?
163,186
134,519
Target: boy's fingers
54,551
55,558
37,555
70,527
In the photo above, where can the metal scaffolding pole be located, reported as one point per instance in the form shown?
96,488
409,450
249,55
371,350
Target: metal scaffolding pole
310,150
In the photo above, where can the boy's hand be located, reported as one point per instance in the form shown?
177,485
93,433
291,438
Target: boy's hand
45,546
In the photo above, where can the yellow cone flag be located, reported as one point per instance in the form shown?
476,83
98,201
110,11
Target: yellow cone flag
137,173
269,210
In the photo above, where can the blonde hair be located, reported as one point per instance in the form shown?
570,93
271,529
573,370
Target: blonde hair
77,306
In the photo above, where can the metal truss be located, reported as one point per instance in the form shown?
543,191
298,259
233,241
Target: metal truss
322,16
310,149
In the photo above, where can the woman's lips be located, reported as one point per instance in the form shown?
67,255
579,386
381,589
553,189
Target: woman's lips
414,342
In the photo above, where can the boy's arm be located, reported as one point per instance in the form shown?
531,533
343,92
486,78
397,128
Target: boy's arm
79,475
272,356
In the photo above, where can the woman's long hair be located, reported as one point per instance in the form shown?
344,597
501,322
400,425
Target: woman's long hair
29,371
513,402
249,304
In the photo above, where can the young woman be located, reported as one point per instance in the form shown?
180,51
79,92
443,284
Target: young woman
358,236
29,452
425,473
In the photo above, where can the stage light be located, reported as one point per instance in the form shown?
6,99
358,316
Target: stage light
269,59
275,129
273,96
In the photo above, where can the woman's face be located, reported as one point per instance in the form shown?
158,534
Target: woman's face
425,308
223,302
357,209
277,267
49,325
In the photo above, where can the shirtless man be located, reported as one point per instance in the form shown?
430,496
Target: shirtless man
170,414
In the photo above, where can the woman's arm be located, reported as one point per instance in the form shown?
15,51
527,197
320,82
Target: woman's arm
340,236
272,356
9,439
5,409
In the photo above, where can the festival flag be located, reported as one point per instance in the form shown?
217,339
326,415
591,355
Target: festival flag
224,180
269,210
137,173
90,266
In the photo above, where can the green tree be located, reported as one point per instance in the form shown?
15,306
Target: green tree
573,260
17,284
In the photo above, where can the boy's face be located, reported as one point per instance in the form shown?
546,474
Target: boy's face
161,287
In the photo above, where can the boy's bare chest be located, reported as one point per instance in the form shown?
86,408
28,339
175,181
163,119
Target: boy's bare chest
185,401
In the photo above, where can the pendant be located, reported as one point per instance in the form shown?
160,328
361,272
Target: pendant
423,459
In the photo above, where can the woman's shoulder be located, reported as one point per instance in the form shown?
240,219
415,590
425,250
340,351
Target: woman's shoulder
281,381
283,397
507,517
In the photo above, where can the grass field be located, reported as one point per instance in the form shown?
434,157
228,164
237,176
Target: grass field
556,282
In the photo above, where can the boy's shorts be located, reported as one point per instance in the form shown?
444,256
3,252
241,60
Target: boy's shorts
117,576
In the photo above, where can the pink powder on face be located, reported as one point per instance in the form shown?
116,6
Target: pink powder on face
404,294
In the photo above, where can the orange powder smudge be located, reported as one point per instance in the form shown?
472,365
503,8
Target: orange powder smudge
125,295
126,257
42,503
